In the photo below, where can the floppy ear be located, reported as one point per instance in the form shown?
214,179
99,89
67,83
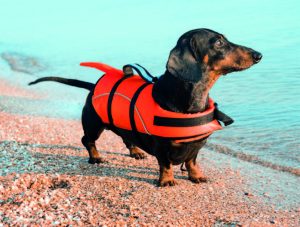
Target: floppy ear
183,63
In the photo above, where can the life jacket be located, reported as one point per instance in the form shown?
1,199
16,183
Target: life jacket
125,101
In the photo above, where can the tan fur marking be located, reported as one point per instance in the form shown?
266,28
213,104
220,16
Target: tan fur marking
166,176
195,174
205,59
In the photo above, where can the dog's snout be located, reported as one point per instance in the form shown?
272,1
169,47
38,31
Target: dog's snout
256,56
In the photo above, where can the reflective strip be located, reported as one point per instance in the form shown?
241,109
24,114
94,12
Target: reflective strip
132,111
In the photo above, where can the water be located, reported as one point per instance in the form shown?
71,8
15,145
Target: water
264,100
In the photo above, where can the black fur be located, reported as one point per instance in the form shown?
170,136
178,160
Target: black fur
72,82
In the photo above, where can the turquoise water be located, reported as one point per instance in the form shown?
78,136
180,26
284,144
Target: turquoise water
264,100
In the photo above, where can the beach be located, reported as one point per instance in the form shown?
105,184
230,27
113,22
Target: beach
46,180
253,165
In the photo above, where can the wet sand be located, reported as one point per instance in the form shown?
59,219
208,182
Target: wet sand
46,180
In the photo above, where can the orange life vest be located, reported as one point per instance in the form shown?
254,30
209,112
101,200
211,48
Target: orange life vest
126,102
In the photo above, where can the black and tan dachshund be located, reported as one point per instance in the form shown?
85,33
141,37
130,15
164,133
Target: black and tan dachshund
197,61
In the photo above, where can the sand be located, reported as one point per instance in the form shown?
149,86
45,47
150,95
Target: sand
45,179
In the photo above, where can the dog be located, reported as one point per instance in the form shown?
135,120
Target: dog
198,60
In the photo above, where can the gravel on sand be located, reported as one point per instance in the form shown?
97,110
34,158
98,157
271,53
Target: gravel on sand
45,180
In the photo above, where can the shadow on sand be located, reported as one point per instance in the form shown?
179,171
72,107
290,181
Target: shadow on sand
19,158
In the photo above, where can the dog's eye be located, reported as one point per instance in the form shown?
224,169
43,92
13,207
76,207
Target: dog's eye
219,43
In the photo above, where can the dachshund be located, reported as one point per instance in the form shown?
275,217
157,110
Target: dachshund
198,60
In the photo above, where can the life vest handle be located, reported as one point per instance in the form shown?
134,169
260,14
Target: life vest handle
141,71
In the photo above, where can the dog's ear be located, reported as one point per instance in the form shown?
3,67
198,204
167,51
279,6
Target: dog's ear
184,62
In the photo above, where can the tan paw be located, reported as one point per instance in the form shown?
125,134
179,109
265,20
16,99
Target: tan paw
137,153
165,183
198,179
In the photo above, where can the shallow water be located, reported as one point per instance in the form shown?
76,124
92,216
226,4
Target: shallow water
264,100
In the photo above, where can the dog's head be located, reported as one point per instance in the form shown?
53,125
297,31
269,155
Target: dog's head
204,50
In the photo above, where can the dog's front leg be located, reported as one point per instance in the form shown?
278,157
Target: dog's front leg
195,173
166,176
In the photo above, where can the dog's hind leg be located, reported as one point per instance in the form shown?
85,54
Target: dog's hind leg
89,143
92,127
135,152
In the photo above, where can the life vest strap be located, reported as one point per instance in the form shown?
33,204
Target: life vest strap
183,122
111,96
132,110
192,139
196,121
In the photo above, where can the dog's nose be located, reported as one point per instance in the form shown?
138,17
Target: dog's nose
256,56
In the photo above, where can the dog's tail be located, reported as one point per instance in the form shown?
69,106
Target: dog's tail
71,82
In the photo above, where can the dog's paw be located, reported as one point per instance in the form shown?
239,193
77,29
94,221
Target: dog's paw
96,160
137,153
198,180
165,183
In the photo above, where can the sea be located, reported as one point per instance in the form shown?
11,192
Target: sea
51,38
